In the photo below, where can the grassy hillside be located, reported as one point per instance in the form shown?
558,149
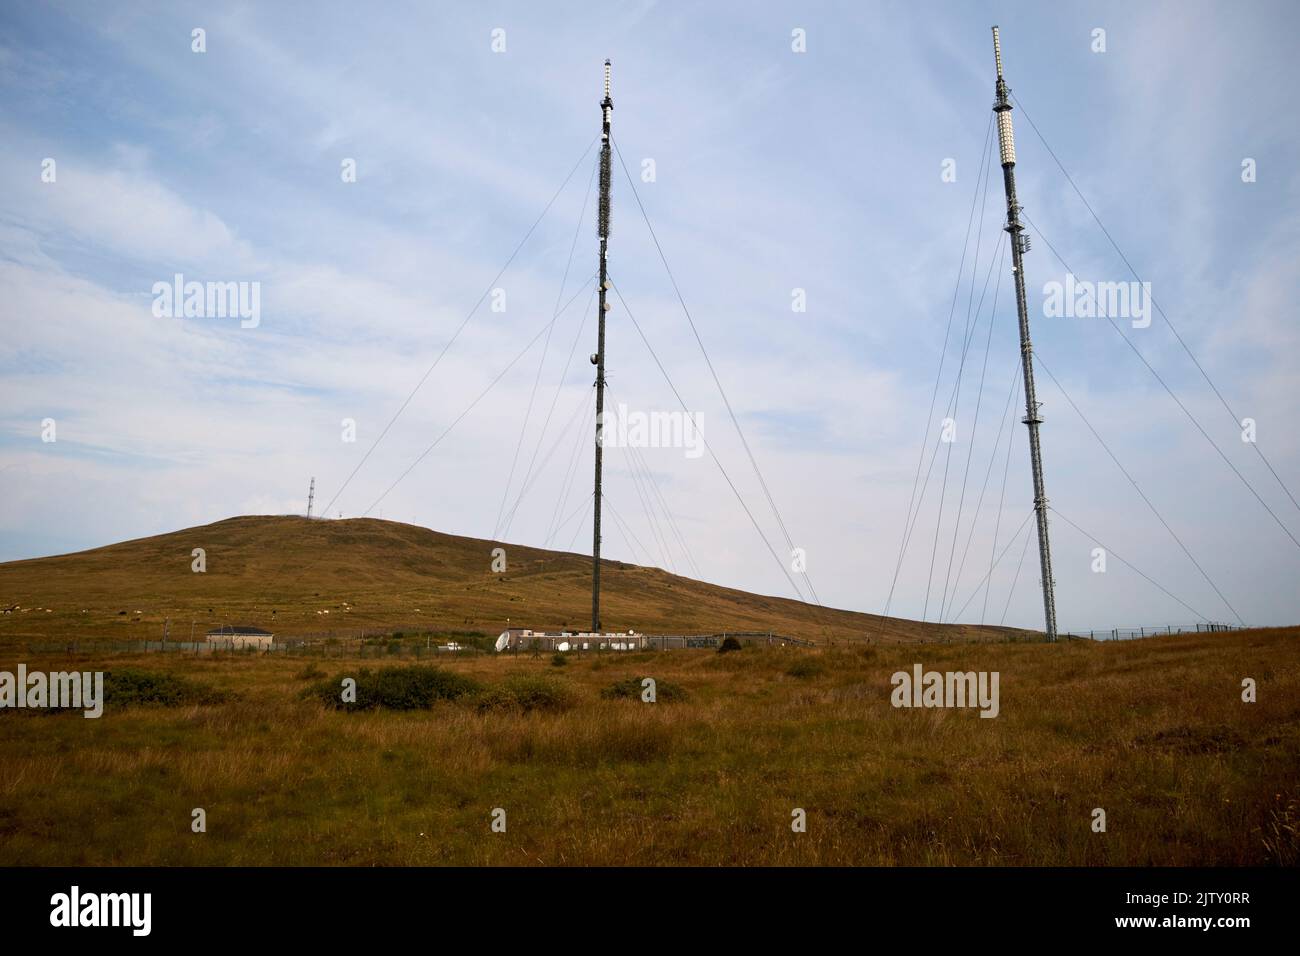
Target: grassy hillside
1153,732
296,576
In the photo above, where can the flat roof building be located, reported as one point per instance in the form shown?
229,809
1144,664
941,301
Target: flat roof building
525,638
237,637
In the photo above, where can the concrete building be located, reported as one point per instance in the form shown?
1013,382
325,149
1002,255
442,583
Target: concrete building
227,637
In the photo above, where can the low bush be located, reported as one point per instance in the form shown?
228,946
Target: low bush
130,686
525,693
631,689
396,688
559,660
728,645
805,667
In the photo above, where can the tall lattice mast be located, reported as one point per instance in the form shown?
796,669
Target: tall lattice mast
1019,246
311,495
602,229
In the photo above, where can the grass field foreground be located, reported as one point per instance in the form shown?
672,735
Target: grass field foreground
1154,732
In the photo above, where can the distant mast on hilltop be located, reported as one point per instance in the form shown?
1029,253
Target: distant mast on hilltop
311,495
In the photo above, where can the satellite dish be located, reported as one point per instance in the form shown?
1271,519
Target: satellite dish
593,358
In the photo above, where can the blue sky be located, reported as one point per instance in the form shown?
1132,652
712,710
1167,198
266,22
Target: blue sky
775,170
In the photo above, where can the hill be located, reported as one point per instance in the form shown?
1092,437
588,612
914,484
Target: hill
298,577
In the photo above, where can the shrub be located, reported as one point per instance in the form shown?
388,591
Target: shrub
310,672
523,693
805,667
630,689
559,660
728,644
396,688
130,686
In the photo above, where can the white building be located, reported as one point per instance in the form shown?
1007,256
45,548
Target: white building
523,638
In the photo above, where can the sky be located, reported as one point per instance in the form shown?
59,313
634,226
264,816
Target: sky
814,177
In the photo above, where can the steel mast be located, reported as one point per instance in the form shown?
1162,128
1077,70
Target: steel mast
602,229
1019,246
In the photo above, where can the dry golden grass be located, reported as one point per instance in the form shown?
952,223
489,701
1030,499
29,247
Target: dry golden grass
1152,731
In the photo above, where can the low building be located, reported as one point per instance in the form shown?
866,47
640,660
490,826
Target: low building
524,638
228,637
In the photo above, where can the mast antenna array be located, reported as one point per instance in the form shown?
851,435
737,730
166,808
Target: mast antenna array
598,359
1019,246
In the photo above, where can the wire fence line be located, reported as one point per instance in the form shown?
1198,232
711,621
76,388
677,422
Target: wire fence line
1130,633
352,649
388,647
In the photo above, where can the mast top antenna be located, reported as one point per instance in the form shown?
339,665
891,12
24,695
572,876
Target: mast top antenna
997,51
607,78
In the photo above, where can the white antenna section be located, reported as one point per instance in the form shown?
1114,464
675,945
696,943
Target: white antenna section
608,104
1006,139
1006,135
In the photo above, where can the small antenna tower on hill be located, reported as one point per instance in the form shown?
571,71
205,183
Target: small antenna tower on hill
311,495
